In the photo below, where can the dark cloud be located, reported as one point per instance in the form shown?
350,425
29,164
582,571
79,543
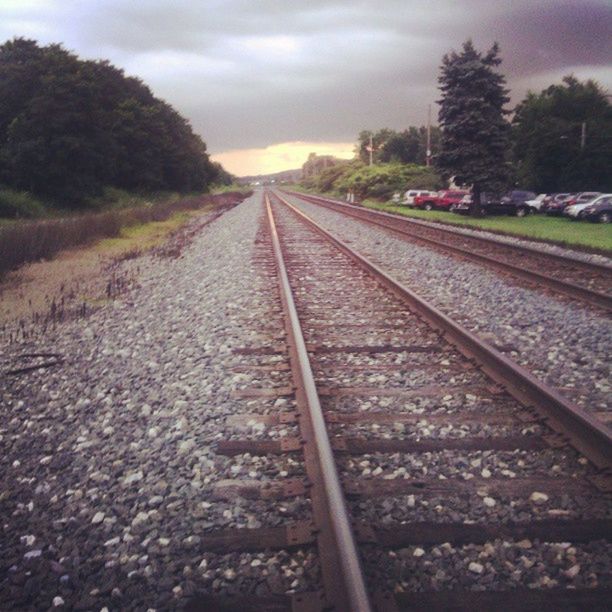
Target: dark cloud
547,36
249,74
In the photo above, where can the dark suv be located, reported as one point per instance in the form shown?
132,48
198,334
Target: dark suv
464,207
513,203
599,210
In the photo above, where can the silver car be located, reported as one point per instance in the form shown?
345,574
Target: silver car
574,211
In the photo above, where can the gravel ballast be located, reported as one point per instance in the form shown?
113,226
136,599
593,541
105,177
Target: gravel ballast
108,458
113,472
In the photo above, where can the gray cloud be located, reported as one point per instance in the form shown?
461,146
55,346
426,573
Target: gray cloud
251,73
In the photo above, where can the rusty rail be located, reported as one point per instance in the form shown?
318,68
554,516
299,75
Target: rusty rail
342,573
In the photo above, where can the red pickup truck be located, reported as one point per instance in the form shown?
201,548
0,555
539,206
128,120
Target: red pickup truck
443,199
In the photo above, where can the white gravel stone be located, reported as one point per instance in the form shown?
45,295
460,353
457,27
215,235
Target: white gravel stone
133,477
476,568
28,540
538,498
33,554
573,571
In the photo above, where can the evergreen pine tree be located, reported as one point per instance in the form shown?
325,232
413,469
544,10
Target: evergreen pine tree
475,134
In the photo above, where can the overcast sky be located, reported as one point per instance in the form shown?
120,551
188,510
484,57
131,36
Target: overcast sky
265,81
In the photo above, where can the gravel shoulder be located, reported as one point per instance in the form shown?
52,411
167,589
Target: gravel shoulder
108,462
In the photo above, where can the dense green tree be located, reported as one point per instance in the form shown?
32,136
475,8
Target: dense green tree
223,177
406,147
475,135
69,127
552,149
377,140
326,180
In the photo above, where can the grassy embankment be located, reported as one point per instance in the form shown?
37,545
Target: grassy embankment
559,230
131,224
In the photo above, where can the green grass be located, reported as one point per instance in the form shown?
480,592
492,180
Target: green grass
119,199
233,188
142,236
558,230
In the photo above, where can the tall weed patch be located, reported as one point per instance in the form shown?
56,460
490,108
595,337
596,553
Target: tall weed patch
26,241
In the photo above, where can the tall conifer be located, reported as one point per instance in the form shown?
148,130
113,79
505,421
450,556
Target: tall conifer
475,133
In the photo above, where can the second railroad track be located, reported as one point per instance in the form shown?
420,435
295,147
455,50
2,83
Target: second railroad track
586,282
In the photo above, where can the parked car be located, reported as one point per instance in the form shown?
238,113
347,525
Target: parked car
574,211
464,206
557,208
443,199
599,210
553,197
512,203
536,203
413,193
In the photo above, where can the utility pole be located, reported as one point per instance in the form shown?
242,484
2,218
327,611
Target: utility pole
583,136
428,152
371,149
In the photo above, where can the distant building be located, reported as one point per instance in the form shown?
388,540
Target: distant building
317,163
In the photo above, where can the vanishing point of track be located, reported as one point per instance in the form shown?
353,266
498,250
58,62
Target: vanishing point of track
587,282
379,372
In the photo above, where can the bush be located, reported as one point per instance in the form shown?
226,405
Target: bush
20,205
382,180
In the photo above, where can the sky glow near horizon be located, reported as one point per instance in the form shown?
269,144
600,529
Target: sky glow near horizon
265,82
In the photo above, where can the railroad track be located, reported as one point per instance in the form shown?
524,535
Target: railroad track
587,282
439,473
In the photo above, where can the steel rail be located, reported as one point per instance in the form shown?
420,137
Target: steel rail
350,567
595,298
584,432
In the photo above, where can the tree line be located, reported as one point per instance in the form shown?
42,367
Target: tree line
69,128
557,140
407,147
554,141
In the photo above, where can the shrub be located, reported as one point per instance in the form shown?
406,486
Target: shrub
382,180
19,205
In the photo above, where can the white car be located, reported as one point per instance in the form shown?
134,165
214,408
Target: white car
574,211
536,203
413,193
